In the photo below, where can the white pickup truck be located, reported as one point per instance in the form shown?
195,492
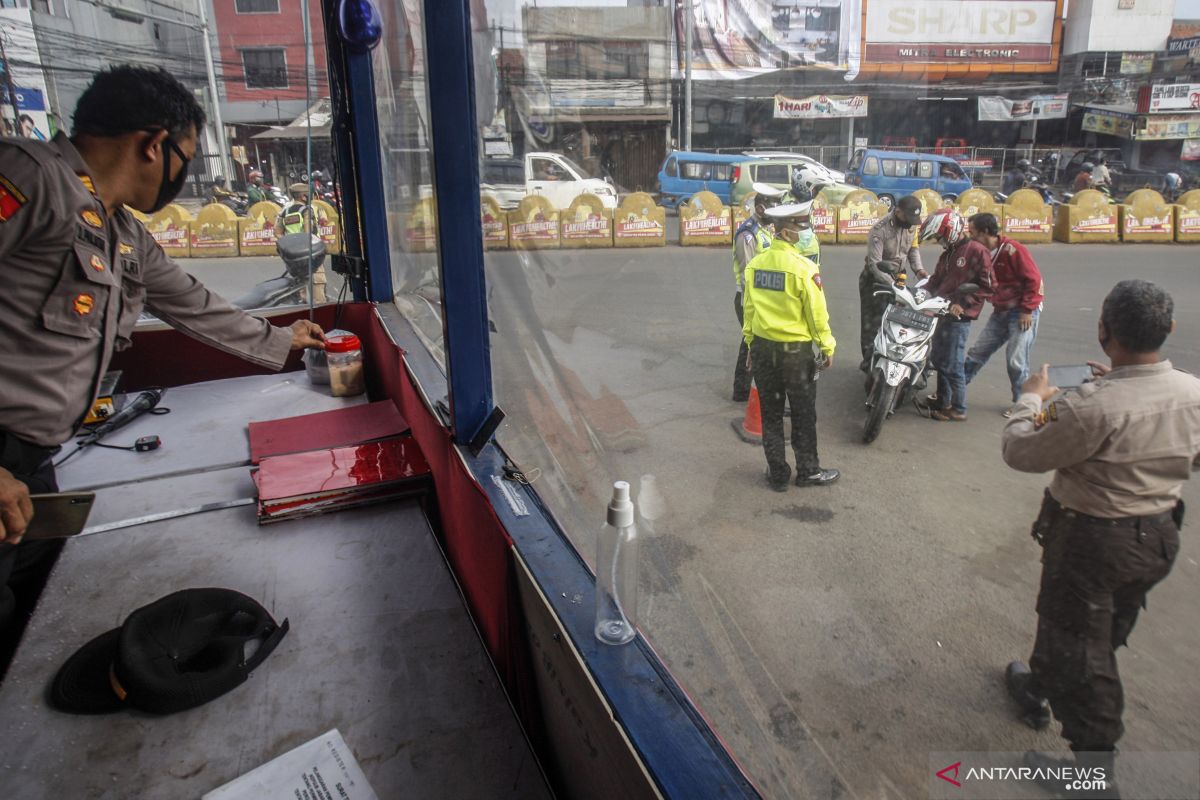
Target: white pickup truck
556,177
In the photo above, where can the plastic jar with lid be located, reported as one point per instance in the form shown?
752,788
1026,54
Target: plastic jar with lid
344,355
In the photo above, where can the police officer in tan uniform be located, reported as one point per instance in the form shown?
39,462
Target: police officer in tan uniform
78,270
891,250
1121,447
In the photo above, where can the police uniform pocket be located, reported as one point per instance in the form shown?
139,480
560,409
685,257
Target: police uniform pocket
76,305
133,300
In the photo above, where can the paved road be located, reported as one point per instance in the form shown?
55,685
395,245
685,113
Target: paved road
834,636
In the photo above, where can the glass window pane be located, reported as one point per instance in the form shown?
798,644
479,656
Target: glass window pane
403,108
800,621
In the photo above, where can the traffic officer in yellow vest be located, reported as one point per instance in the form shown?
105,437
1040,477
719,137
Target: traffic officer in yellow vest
297,217
786,326
751,238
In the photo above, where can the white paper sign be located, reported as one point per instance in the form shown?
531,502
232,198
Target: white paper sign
322,769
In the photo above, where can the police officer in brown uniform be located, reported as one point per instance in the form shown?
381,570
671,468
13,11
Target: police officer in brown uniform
891,250
1121,447
79,269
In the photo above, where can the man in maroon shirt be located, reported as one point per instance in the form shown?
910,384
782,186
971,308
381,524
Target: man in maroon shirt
964,261
1016,304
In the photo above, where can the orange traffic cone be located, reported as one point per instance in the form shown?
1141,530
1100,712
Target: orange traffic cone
749,428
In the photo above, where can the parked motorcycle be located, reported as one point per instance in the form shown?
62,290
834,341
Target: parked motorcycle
296,250
898,365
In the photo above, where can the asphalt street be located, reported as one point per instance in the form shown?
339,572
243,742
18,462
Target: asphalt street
838,636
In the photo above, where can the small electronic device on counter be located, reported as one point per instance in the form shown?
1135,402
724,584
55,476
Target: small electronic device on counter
108,402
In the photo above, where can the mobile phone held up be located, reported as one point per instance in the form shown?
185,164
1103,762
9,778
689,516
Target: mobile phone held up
1070,376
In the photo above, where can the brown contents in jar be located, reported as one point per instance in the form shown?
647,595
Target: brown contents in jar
346,380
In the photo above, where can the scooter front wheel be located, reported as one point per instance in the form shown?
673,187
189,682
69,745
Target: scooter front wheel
883,398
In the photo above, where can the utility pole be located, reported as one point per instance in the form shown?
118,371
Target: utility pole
688,22
222,145
8,83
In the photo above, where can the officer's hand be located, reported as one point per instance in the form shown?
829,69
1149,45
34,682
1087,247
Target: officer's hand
956,310
1039,384
1025,321
1098,369
922,274
16,509
307,334
827,362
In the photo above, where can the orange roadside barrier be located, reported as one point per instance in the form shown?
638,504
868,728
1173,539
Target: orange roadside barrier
749,428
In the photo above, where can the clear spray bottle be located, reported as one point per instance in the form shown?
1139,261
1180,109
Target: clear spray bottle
616,570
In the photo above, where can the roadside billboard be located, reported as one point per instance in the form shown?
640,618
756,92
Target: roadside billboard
993,108
1174,96
820,106
957,35
754,37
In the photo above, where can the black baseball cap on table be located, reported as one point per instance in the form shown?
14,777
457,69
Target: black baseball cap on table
177,653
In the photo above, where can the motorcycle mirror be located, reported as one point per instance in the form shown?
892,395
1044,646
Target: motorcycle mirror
968,288
921,283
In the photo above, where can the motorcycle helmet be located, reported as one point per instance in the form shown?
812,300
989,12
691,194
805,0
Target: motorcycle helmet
1023,164
946,226
807,182
1087,166
318,175
218,180
254,175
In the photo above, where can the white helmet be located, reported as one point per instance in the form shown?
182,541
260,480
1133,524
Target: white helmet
808,180
946,226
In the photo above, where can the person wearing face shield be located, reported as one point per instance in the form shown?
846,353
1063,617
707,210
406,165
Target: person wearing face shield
80,270
891,252
752,237
786,327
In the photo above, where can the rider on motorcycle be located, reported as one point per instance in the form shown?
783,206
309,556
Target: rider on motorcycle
255,192
1015,178
217,192
1083,178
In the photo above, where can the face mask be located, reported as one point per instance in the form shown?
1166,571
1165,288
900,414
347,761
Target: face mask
805,238
169,189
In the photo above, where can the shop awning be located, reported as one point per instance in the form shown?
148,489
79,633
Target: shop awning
317,122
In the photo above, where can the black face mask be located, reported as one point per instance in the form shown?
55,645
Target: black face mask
169,189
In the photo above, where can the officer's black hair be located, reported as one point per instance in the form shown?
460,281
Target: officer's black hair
128,98
1138,314
985,223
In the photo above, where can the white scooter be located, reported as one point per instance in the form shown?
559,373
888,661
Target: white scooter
901,350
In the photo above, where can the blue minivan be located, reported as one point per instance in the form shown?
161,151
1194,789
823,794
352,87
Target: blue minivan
893,174
684,173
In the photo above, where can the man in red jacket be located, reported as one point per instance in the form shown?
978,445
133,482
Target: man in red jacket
1016,304
964,261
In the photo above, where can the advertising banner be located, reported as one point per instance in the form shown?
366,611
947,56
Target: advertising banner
1137,63
754,37
1169,126
1113,123
1185,37
820,106
993,108
1174,96
28,79
961,31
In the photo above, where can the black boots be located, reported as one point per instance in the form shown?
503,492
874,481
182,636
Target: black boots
1035,711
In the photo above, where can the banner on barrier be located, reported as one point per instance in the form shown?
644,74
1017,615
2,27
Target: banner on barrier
1148,224
1106,224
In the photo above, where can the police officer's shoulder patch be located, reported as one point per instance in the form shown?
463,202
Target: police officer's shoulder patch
817,280
11,199
1052,412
